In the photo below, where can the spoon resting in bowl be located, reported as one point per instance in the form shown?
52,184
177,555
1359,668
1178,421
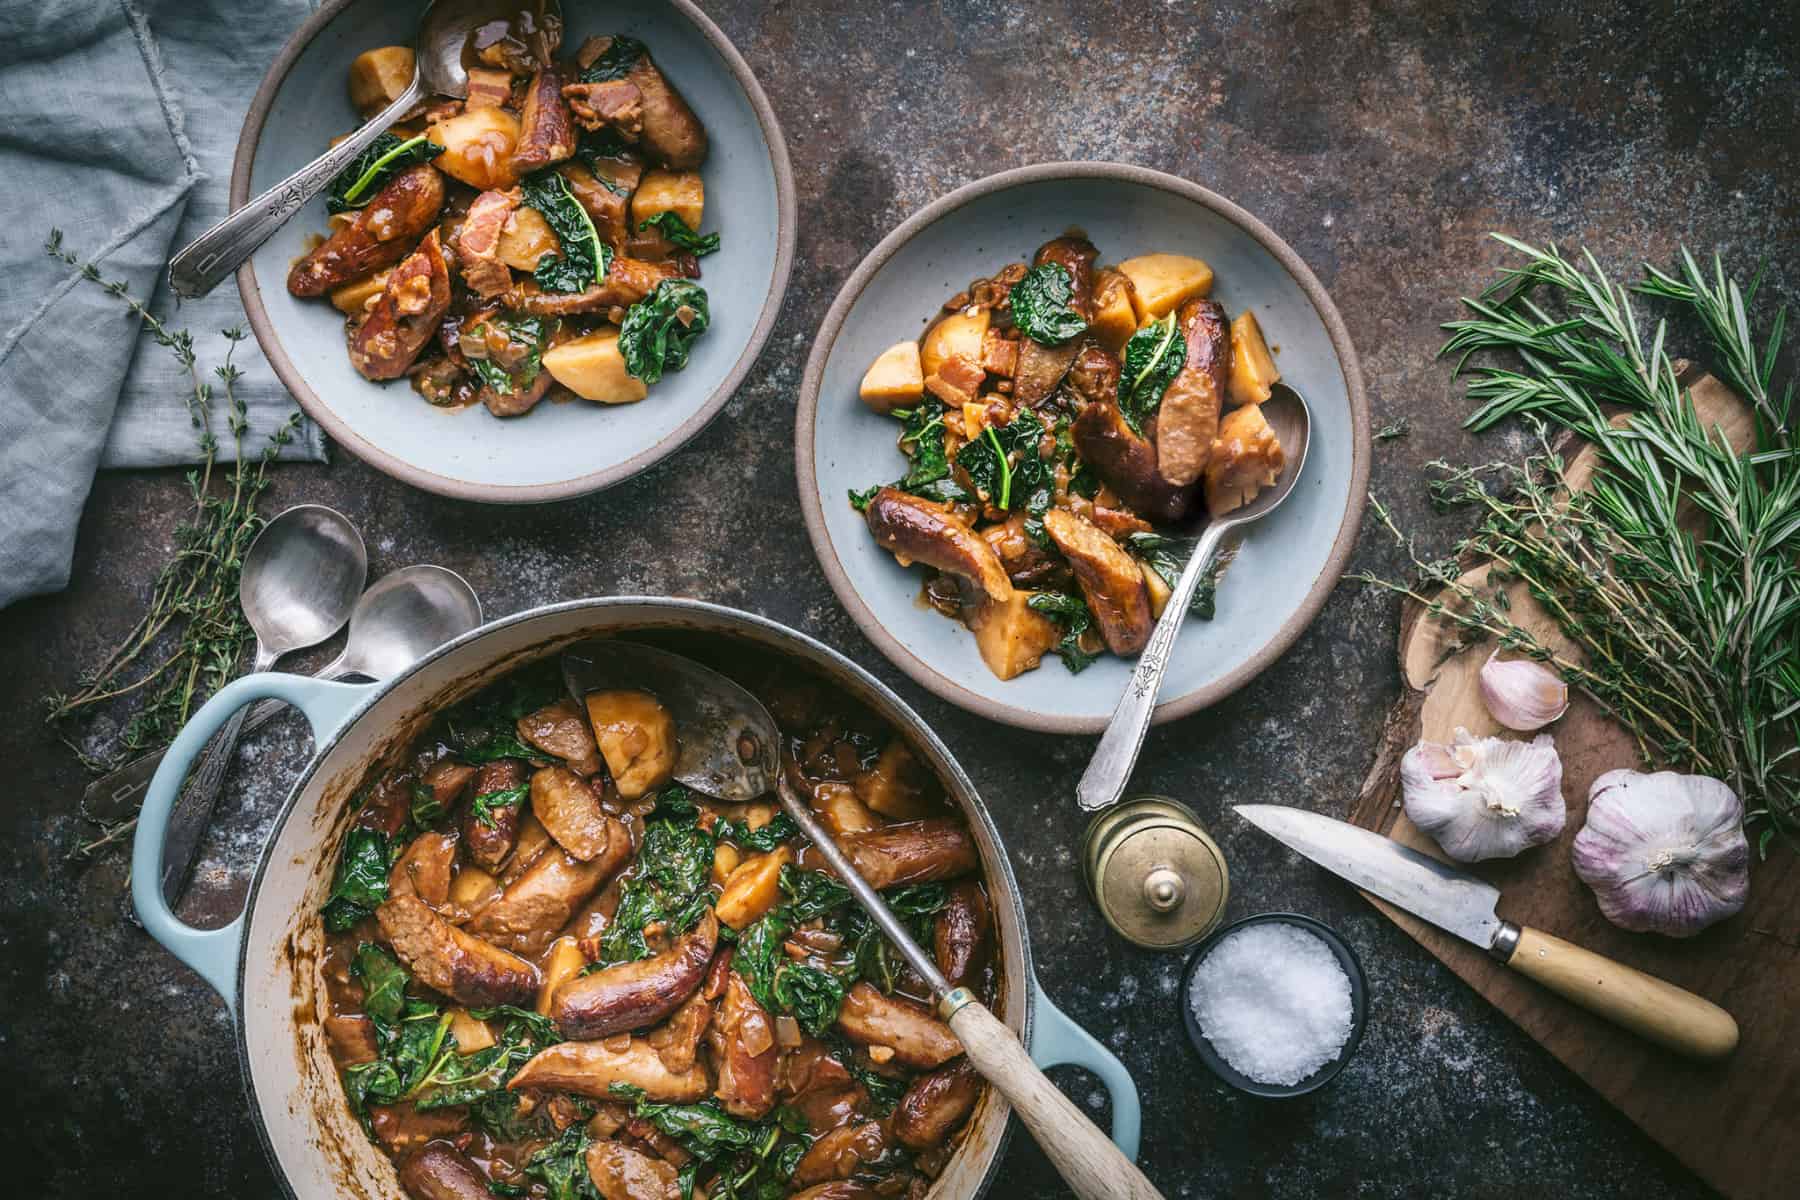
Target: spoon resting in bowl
1103,783
439,69
730,749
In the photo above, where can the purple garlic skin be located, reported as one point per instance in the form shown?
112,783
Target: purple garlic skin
1664,853
1482,798
1520,694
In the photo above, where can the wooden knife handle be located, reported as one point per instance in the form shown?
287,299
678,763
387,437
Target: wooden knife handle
1089,1163
1671,1017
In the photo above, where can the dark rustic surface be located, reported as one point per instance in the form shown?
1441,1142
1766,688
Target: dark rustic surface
1382,141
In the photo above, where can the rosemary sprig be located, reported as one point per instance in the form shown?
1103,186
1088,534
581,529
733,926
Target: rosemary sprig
192,634
1675,573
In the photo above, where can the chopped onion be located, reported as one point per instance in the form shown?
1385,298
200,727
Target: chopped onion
787,1031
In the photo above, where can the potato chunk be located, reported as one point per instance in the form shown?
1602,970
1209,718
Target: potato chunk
526,238
379,76
842,811
592,367
471,1034
680,192
959,333
478,147
895,379
1012,636
637,739
563,963
896,785
1115,319
1246,458
1162,283
1253,371
351,298
753,888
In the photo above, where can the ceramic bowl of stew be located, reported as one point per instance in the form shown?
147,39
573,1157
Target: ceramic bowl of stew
269,964
557,449
1287,564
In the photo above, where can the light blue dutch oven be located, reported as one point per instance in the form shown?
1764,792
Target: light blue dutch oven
266,963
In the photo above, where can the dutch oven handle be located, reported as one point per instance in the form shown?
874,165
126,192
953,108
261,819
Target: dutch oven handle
213,953
1058,1041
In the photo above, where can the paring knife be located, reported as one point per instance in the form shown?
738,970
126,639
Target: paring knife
1459,903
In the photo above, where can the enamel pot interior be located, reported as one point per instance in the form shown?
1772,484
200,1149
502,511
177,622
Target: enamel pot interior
317,1145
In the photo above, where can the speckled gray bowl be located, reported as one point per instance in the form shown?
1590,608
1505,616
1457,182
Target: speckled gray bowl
1289,562
557,450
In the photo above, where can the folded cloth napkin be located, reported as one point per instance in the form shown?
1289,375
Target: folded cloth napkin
122,117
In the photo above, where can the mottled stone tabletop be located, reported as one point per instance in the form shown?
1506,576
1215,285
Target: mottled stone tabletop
1382,141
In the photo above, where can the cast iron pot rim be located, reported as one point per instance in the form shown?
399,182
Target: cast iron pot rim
776,630
1359,1007
497,493
812,381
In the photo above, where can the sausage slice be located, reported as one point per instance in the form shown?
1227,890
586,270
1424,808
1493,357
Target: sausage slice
1109,579
632,995
380,235
465,968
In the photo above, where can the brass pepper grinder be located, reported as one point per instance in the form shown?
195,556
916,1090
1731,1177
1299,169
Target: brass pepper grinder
1157,877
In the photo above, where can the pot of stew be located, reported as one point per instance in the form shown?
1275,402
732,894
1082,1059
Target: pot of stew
492,949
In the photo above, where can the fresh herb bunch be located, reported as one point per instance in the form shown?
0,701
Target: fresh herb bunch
1153,357
191,636
1675,573
1042,305
368,172
585,259
660,330
670,224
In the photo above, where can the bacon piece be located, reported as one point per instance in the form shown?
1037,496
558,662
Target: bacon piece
957,381
615,104
546,134
627,281
478,243
389,335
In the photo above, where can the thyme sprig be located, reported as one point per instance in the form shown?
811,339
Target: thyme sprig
191,635
1674,573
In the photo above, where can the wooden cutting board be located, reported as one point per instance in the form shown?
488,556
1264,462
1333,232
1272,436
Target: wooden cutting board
1737,1123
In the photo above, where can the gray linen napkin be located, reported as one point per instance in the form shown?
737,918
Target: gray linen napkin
122,117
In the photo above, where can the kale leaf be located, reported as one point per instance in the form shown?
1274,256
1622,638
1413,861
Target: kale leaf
754,1159
368,172
660,330
562,1166
484,728
777,831
620,55
812,995
1041,305
884,1092
1005,465
669,885
1072,614
1153,357
859,500
360,884
384,983
677,231
1168,556
526,339
585,259
759,954
483,806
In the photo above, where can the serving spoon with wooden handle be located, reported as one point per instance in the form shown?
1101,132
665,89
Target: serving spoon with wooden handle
730,749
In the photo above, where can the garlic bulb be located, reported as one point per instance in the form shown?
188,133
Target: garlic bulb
1522,694
1664,853
1484,797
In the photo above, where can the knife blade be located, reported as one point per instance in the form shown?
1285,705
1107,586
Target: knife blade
1459,903
1452,900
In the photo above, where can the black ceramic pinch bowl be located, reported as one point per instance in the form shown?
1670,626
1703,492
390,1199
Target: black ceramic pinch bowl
1359,1008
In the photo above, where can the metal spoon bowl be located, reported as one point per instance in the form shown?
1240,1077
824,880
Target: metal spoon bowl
1103,783
403,616
438,70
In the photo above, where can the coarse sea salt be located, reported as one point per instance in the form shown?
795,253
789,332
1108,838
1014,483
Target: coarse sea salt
1274,1002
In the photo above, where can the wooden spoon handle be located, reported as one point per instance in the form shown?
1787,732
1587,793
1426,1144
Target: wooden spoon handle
1671,1017
1088,1161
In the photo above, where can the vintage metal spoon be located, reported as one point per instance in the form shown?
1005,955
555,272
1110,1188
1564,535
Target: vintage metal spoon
438,71
299,583
1103,783
402,617
730,748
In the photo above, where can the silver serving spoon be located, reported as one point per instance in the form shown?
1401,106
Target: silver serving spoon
730,748
437,71
299,583
1103,783
403,616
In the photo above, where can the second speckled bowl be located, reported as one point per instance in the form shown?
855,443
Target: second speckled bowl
1289,562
